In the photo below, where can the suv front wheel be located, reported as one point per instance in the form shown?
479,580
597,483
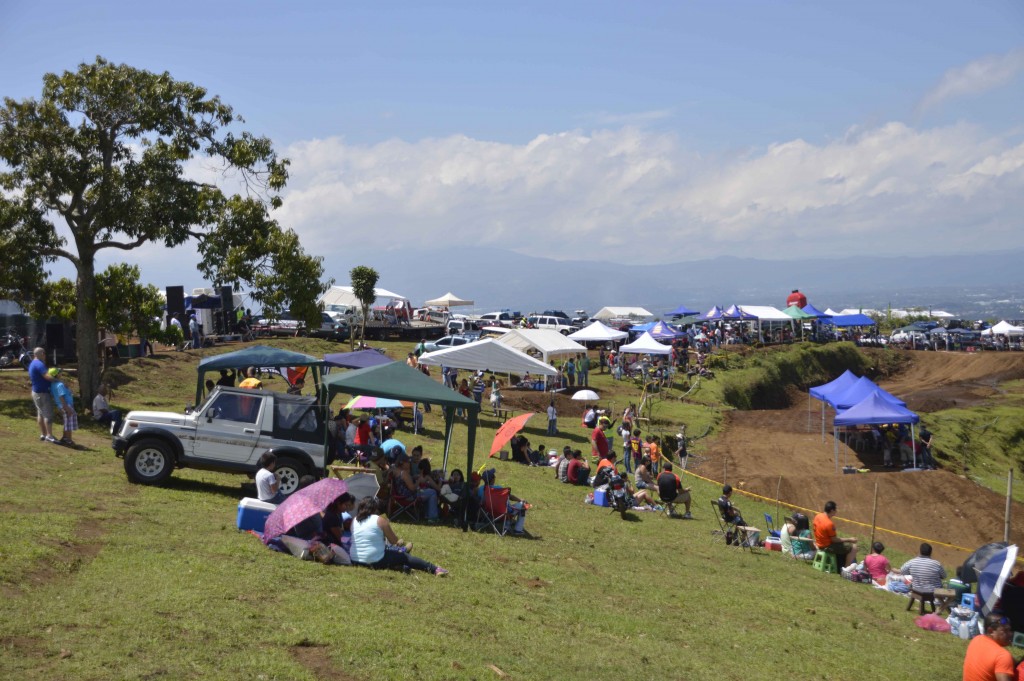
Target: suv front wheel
288,471
149,462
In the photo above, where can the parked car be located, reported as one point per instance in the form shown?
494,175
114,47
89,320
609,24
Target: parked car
498,319
559,324
462,326
450,342
227,433
330,328
279,324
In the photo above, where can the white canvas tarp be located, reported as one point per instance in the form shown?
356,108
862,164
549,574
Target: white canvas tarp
636,313
597,333
646,345
487,355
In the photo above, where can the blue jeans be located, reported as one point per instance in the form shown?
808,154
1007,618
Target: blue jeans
430,496
397,560
627,458
552,426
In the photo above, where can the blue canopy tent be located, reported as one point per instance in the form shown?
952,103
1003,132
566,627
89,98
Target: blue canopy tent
663,331
681,311
876,408
822,392
814,312
844,320
736,312
858,391
714,314
360,359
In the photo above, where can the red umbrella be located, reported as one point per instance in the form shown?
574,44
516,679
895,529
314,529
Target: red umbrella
303,504
507,430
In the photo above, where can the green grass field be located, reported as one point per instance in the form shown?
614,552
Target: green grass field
102,579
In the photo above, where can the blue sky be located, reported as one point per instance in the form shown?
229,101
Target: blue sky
522,125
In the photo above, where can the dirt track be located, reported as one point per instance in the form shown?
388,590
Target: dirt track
939,505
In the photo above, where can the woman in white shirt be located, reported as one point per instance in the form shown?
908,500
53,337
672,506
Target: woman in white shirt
374,543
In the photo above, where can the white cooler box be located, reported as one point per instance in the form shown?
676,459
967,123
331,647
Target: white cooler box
253,513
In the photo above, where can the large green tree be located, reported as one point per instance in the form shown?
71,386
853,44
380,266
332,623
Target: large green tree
364,288
98,162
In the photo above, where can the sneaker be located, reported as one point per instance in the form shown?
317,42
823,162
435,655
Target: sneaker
50,438
440,572
687,516
42,438
518,533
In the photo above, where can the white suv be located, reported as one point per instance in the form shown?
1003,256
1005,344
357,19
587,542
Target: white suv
559,324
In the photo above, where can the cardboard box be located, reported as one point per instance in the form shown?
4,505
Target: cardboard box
253,514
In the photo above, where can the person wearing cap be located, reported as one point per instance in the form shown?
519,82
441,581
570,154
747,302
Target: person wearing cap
41,397
515,506
730,513
598,440
65,401
987,658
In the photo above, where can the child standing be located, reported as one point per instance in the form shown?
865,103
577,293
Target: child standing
655,452
636,447
65,401
552,419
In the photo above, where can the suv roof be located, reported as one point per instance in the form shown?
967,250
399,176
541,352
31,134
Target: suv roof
555,313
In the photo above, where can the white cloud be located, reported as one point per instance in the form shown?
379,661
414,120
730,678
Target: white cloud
632,195
974,78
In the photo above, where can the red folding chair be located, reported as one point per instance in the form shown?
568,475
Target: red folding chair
494,509
401,505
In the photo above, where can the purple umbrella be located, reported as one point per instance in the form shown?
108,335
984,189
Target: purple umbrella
301,505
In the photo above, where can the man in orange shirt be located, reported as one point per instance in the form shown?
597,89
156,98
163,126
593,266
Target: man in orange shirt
987,658
844,548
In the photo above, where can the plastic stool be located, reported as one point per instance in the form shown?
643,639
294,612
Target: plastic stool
969,601
825,562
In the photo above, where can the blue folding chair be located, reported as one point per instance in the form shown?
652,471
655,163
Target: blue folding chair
772,532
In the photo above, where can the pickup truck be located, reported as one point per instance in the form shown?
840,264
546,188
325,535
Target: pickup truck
227,433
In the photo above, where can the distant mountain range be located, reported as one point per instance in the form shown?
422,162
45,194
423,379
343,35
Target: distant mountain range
971,286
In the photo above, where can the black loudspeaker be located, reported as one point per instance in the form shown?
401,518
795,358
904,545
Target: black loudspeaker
227,304
54,334
176,305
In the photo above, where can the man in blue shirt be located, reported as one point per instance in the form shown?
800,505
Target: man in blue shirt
41,394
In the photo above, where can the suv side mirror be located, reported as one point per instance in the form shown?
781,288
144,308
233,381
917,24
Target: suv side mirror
212,413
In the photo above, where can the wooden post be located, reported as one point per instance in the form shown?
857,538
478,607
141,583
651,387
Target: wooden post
1009,499
874,512
778,490
725,474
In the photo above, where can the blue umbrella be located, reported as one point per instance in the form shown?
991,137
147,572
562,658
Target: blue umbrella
994,575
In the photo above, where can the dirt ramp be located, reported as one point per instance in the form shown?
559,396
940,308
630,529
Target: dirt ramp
942,380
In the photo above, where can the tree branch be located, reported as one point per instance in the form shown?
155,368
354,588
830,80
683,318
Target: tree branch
59,253
122,245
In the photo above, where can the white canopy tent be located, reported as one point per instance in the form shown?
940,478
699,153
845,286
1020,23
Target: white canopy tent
544,341
646,345
637,313
448,300
1004,328
597,333
487,355
766,313
344,295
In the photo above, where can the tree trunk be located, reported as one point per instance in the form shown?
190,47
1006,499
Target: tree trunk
87,334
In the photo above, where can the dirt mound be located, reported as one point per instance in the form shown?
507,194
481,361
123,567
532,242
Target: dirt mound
756,448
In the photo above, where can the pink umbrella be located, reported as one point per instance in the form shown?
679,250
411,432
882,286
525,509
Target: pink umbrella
301,505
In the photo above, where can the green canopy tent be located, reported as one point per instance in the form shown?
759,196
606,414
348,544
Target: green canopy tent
799,315
260,356
399,381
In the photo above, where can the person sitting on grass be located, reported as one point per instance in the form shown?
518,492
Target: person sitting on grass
730,513
337,521
65,402
826,539
267,484
562,469
102,412
876,564
672,492
371,536
644,478
578,471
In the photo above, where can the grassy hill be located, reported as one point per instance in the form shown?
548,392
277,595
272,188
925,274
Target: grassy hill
103,579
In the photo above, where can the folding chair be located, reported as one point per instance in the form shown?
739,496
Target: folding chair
733,535
494,510
668,507
401,505
772,532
